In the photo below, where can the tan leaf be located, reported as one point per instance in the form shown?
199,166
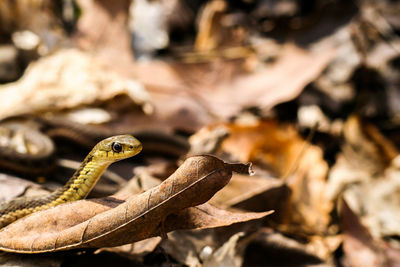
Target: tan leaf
223,89
282,150
191,247
103,29
139,248
252,193
366,174
12,187
358,245
208,216
55,82
226,255
112,222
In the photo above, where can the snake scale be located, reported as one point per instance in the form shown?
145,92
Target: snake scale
80,184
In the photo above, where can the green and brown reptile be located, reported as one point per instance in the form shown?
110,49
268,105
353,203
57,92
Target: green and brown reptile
80,184
40,132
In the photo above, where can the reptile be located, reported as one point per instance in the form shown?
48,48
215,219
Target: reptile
107,151
41,131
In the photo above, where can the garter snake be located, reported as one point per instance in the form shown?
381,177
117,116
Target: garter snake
40,131
80,184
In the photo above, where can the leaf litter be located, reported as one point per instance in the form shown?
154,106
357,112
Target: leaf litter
83,223
307,92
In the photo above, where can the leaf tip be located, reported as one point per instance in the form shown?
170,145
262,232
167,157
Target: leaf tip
241,168
250,169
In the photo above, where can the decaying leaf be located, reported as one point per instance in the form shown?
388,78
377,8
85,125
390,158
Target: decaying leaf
98,29
253,193
226,255
112,222
15,260
366,174
360,248
12,187
299,164
56,82
136,249
366,154
195,101
208,37
206,216
280,250
267,143
191,247
207,140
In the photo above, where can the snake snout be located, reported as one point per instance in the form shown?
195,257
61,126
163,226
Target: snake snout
132,145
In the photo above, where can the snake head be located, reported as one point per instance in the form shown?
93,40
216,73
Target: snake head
117,148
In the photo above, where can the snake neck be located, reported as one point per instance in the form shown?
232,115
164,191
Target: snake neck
81,182
77,187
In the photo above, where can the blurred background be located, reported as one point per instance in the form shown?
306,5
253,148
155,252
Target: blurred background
308,91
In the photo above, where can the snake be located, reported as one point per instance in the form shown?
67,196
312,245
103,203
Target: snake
42,131
103,154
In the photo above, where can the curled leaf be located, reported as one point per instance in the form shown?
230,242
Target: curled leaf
111,221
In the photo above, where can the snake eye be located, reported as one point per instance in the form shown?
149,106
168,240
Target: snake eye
116,147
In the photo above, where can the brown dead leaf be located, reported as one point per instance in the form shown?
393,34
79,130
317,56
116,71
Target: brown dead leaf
208,216
207,140
15,260
310,209
198,93
208,36
278,247
207,89
273,248
55,82
191,247
103,29
366,173
366,148
279,148
226,255
142,181
139,248
374,199
12,187
112,222
359,247
266,143
252,193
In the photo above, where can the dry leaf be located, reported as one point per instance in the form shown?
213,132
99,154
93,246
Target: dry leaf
226,255
55,82
139,248
207,140
358,245
12,187
279,148
366,173
112,222
275,249
103,29
252,193
195,98
14,260
310,208
208,36
208,216
275,146
191,247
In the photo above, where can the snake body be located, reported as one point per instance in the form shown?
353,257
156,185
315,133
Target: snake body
80,184
41,130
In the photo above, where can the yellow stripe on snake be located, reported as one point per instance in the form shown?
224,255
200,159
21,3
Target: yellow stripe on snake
80,184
